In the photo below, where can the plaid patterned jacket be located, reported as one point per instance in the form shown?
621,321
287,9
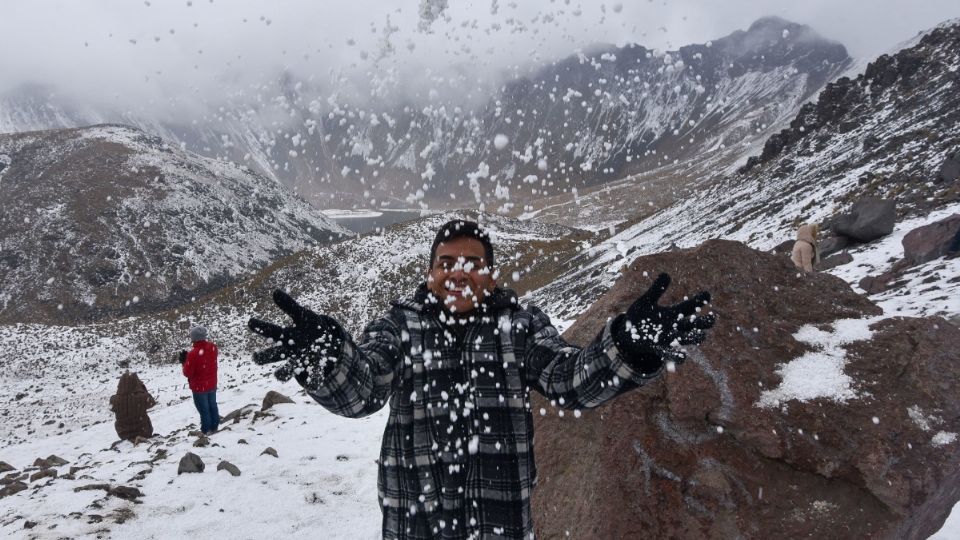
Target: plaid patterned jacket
457,455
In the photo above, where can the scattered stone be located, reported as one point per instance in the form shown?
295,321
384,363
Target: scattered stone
10,489
237,414
270,451
876,284
6,467
125,492
190,463
29,524
201,442
342,457
139,440
94,518
273,398
43,473
77,468
160,455
50,461
229,467
264,414
92,487
195,433
834,260
831,245
242,441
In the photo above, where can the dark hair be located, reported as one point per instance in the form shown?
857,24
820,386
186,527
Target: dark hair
459,228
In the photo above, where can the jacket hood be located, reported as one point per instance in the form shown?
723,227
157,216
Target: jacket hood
129,383
423,300
808,233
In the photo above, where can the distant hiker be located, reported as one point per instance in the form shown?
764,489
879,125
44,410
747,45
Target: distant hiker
130,404
457,361
806,254
200,369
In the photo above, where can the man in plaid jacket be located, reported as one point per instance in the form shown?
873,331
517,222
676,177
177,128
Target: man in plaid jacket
456,362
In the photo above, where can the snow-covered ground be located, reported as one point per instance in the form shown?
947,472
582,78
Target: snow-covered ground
322,484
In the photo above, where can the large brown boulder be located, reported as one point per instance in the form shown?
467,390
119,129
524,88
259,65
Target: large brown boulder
931,241
804,415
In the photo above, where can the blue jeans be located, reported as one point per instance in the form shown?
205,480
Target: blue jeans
206,403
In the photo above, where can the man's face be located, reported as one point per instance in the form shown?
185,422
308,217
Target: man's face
460,277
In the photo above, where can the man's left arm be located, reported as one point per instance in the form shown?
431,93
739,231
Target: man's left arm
579,378
631,349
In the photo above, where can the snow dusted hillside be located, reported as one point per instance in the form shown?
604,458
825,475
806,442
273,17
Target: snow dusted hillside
595,116
884,134
110,221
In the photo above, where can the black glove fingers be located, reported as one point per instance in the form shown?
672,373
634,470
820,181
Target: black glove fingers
290,306
265,329
690,305
705,322
693,337
284,373
272,355
653,294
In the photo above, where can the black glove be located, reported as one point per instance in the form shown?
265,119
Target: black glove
649,334
308,348
182,356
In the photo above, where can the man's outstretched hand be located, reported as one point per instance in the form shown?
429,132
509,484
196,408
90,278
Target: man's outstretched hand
304,347
650,334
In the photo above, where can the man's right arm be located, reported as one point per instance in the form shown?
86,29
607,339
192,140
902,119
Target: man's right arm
360,380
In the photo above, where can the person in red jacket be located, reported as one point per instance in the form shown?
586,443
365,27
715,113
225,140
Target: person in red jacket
200,369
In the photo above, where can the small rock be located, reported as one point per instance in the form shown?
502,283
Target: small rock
29,524
195,433
242,441
229,467
50,461
125,492
91,487
237,414
342,457
273,398
6,467
10,489
44,473
270,451
201,442
190,463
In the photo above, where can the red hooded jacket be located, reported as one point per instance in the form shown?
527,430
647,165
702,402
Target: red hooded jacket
200,368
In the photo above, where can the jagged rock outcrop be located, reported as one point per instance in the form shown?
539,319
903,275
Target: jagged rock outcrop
806,414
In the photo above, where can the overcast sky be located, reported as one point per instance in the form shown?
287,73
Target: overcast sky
157,51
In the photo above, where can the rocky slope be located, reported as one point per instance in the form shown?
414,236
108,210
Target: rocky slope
108,221
886,133
593,117
808,412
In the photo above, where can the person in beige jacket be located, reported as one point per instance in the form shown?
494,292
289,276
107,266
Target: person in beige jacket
805,251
